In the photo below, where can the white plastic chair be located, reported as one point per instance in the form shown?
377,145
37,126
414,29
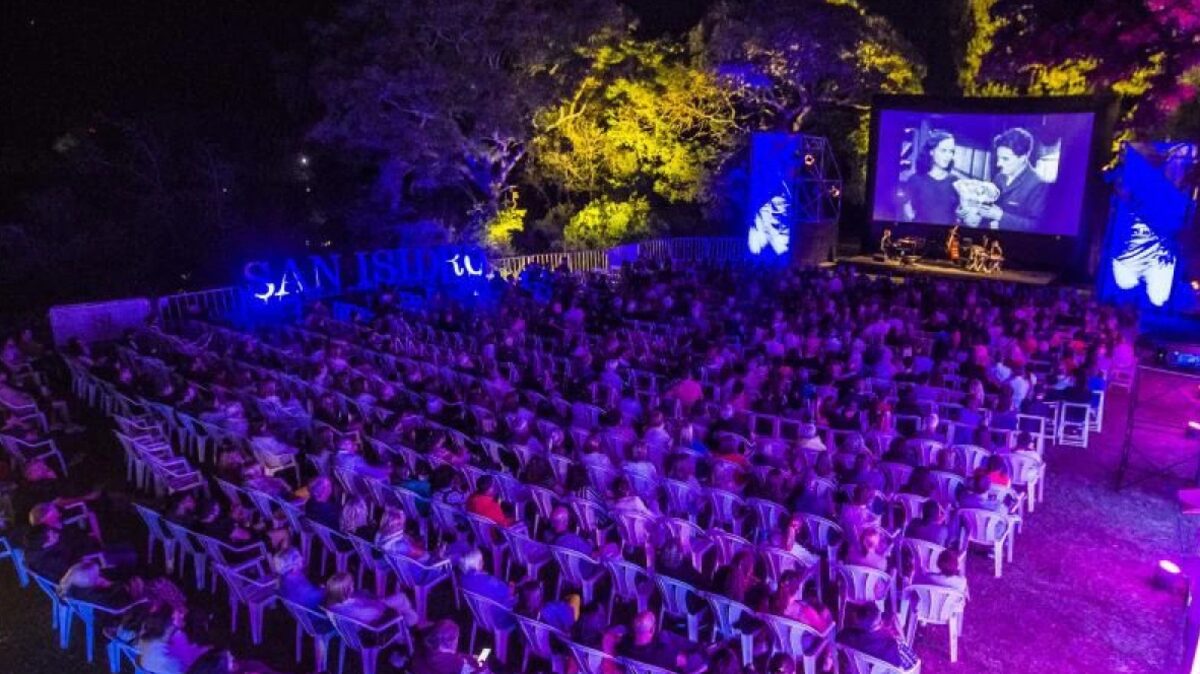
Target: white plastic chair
529,554
590,660
421,578
694,538
366,638
157,533
50,589
675,595
86,612
728,509
726,614
577,570
23,452
858,662
728,545
933,605
1074,424
335,543
638,531
189,548
767,515
628,581
316,625
492,617
1029,472
251,584
789,638
539,642
863,585
988,528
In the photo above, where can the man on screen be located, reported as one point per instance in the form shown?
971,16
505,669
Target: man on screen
1022,192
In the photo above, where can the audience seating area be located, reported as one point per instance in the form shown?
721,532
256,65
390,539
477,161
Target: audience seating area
654,470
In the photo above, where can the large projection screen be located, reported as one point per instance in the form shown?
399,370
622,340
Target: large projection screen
1001,169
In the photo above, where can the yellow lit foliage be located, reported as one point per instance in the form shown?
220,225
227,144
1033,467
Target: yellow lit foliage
509,220
604,222
642,120
1069,78
981,42
1138,82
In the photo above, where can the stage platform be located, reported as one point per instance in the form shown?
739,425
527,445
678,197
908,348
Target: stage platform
944,268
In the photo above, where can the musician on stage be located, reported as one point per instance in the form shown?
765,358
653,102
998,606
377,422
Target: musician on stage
952,245
995,256
885,244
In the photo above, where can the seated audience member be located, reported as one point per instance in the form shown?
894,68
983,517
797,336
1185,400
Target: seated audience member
531,603
859,514
996,472
485,504
788,537
920,483
592,625
51,548
982,496
868,550
343,599
738,579
41,484
287,563
639,464
931,525
865,631
477,581
560,533
626,501
393,537
448,486
646,643
439,652
163,645
672,561
321,507
949,573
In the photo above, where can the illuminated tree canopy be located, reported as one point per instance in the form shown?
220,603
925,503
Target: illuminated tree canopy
644,120
441,93
786,60
1139,50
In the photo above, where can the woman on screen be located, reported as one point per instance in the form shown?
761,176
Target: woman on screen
931,194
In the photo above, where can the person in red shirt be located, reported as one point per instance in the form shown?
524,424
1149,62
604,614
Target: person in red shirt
485,504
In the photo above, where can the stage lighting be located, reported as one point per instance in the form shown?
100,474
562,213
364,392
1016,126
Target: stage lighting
835,191
809,159
1169,576
1195,285
303,160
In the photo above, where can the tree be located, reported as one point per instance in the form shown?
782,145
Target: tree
788,60
1146,52
809,66
646,127
439,94
604,222
644,120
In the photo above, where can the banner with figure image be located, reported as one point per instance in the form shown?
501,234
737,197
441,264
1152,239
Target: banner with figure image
1150,212
774,170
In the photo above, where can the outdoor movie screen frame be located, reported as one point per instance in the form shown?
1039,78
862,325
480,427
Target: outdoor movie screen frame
994,164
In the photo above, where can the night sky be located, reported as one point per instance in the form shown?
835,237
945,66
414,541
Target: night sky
62,64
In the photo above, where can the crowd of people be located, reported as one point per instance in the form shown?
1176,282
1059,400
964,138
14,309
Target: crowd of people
676,468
